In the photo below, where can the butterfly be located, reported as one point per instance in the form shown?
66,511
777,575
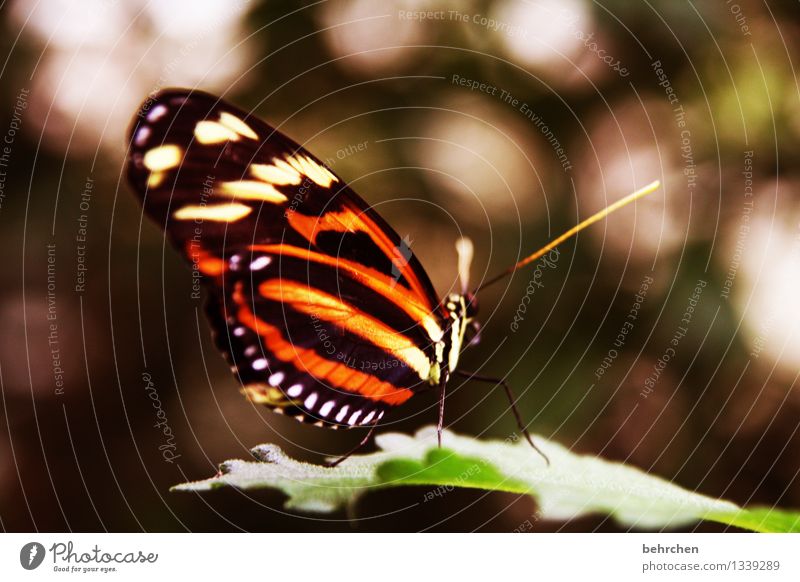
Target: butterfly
321,309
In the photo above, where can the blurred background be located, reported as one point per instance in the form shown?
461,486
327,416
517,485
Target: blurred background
667,336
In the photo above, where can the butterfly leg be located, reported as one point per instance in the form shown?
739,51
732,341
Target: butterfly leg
363,442
512,401
440,423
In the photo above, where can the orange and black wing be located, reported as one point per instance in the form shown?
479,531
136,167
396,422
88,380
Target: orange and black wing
321,309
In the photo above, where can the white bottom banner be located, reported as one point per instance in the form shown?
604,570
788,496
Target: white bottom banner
334,557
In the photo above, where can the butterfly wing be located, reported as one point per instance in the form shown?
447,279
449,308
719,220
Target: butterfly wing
321,309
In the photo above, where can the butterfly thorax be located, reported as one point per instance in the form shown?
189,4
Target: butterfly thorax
460,311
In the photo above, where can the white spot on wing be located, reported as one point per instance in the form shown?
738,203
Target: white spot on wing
155,179
310,401
294,391
211,132
232,122
157,113
260,364
354,418
342,413
312,170
162,158
326,408
228,128
251,190
279,174
260,263
229,212
141,135
368,417
276,379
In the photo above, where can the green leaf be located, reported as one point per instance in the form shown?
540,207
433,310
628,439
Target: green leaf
446,468
761,519
572,486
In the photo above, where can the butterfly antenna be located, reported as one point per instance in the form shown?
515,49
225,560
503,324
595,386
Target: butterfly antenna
465,250
652,187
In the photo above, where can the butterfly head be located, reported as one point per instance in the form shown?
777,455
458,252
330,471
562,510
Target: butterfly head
461,307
